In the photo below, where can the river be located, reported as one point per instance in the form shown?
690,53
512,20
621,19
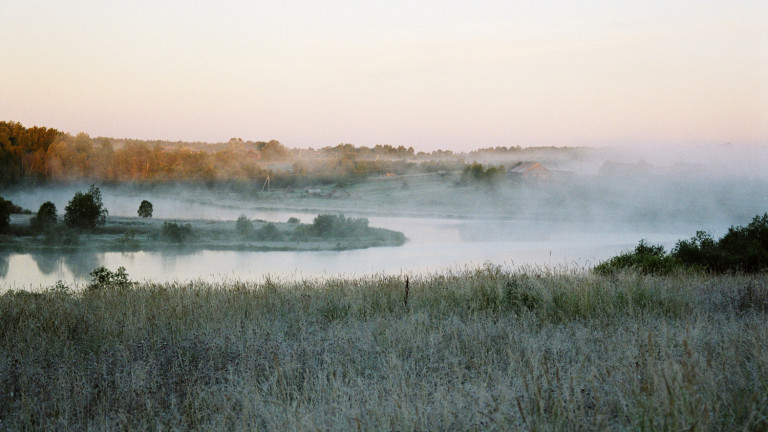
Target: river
434,245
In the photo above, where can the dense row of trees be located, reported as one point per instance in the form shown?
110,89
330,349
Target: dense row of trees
40,154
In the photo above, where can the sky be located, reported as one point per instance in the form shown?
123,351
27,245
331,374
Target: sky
448,74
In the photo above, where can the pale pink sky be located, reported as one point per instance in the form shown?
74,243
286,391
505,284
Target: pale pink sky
451,74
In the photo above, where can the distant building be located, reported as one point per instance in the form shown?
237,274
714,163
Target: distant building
529,170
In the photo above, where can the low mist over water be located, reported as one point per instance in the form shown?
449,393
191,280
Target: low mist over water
572,208
434,245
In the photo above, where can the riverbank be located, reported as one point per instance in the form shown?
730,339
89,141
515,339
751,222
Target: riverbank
481,349
133,234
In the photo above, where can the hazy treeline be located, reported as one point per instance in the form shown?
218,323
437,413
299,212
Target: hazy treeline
40,154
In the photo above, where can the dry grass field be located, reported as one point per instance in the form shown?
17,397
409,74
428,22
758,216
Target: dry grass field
480,349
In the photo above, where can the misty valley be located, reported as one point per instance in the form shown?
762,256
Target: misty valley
433,224
247,286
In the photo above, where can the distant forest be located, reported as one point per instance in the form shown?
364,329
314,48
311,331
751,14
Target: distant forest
39,154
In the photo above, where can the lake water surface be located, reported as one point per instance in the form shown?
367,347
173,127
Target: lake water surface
434,245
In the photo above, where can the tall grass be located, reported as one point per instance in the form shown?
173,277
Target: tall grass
482,349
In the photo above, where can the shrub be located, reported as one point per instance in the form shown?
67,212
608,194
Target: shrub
302,233
645,258
86,210
145,209
742,249
339,226
243,225
176,233
104,278
268,232
45,218
475,173
293,220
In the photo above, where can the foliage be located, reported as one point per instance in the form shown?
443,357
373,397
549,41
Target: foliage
645,258
268,232
476,173
746,248
176,233
86,210
23,152
102,277
293,220
145,209
45,218
699,250
243,225
742,249
59,288
338,226
6,208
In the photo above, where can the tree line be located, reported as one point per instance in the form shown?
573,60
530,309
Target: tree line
40,154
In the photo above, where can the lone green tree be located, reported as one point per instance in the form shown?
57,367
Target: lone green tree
45,218
86,210
145,209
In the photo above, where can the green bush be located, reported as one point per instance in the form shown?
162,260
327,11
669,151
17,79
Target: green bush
86,210
176,233
243,225
268,232
742,249
104,278
746,248
475,173
302,233
45,218
339,226
645,258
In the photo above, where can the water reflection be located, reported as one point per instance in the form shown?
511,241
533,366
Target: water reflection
434,245
81,264
47,263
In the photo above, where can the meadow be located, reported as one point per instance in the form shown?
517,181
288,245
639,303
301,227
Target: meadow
475,349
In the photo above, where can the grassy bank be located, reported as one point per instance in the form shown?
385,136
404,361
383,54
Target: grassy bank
474,350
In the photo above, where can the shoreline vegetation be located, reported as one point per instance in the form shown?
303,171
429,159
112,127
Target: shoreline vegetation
132,234
480,349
